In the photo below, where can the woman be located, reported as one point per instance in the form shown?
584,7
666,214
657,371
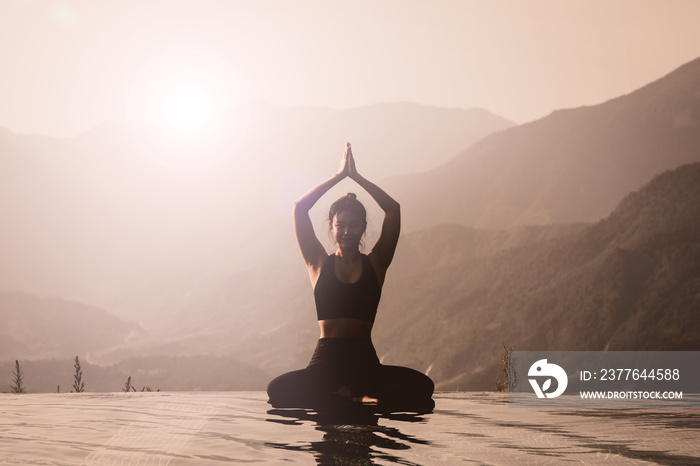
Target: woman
347,287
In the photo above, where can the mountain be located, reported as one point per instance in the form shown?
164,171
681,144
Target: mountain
202,258
628,282
456,295
109,216
574,165
37,327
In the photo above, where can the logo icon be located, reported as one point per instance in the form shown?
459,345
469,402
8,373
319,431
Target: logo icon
542,368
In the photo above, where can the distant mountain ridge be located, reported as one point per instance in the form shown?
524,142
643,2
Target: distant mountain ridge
86,215
574,165
38,327
628,282
394,137
213,270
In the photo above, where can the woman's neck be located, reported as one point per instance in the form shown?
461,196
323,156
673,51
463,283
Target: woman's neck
347,254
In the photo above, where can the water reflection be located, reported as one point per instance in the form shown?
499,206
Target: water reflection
352,433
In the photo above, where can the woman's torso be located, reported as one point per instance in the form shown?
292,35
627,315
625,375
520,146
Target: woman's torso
347,294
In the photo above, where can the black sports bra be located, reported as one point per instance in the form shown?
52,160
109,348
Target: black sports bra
335,299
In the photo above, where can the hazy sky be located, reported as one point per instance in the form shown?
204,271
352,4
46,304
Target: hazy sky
68,65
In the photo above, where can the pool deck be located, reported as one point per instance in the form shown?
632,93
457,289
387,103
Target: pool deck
188,428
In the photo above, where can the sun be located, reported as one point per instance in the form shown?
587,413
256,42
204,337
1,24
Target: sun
187,108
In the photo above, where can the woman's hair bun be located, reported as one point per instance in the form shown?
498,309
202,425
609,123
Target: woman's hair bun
350,203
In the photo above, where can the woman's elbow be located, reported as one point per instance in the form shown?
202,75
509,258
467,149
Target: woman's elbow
394,207
300,207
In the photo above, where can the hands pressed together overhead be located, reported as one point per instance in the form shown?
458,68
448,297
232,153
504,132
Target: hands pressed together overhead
347,164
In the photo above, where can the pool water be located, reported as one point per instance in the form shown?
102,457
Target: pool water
199,428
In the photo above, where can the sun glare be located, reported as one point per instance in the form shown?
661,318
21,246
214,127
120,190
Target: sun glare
186,109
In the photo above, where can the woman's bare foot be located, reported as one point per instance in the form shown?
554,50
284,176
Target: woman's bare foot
345,391
366,400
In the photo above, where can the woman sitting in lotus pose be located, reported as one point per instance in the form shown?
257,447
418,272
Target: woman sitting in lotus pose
347,287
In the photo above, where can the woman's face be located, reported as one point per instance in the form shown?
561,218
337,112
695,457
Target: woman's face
347,228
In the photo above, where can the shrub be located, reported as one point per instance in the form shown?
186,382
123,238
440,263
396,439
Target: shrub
78,384
510,380
17,380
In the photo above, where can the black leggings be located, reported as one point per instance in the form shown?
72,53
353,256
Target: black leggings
351,363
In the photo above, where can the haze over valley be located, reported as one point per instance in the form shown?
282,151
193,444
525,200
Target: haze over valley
577,231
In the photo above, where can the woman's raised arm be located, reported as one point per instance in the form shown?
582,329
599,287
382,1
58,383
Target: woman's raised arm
312,250
383,251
